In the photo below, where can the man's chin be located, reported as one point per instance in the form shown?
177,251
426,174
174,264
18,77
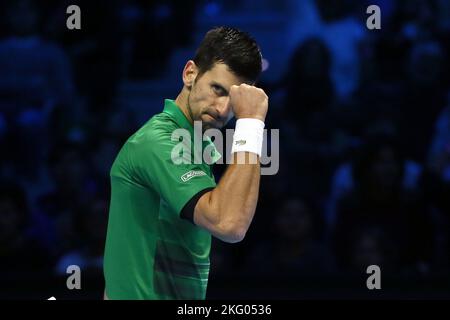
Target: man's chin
208,125
209,122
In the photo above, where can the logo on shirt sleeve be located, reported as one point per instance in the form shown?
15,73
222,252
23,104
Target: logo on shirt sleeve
191,174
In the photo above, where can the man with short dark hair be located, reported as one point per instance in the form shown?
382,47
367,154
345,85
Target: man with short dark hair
162,213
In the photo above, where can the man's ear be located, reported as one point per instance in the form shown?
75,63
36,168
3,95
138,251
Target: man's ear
190,72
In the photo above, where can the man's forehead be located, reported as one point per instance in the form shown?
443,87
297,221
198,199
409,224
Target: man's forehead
222,74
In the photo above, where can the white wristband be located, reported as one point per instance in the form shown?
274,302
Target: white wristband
248,136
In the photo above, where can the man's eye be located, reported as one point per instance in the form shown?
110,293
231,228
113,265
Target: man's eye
218,90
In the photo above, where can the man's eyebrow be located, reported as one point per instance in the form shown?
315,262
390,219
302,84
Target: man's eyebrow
220,86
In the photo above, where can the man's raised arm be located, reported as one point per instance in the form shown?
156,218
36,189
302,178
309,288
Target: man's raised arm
227,210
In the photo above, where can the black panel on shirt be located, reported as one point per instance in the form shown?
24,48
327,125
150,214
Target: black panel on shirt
188,210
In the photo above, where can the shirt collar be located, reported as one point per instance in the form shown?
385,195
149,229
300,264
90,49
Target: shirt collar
171,108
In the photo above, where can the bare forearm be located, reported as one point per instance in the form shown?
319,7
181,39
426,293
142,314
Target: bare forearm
230,207
237,193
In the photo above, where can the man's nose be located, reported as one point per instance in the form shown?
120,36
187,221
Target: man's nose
222,107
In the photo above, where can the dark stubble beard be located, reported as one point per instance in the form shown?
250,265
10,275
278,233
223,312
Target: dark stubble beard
204,127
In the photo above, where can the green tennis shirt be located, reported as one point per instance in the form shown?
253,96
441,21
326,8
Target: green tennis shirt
151,252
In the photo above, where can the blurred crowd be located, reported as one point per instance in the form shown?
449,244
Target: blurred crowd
364,119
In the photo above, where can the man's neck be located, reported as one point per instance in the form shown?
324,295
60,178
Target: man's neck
182,102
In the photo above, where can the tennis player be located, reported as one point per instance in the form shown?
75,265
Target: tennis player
162,214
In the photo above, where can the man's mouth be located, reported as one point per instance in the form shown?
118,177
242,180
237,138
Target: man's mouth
213,117
214,122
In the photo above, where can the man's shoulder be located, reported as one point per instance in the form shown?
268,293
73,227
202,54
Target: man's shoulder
157,126
148,141
155,134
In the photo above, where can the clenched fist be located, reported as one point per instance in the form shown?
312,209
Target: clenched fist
248,102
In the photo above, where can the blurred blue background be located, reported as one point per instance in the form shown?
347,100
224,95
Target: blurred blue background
364,119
